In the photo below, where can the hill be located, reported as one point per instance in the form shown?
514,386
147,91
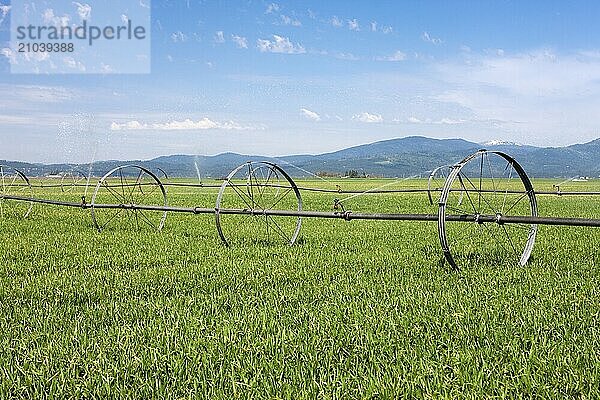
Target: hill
408,156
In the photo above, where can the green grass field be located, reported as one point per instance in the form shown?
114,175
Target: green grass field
360,309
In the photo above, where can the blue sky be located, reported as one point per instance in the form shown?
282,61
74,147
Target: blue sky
274,78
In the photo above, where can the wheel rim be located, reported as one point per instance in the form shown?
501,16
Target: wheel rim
14,183
255,188
436,182
126,186
486,183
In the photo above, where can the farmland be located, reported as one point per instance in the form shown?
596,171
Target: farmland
361,309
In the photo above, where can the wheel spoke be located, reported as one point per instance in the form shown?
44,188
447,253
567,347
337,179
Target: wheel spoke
122,185
135,185
510,240
280,198
116,214
517,202
148,195
493,235
240,194
467,193
494,188
265,186
280,230
508,185
480,181
116,194
475,188
458,210
147,220
137,225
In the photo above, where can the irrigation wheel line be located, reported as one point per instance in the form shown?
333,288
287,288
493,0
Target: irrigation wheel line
14,183
257,188
481,185
487,195
130,186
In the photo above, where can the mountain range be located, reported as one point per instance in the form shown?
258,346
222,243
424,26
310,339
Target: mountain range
414,155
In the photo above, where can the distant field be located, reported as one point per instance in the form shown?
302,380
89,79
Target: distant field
360,309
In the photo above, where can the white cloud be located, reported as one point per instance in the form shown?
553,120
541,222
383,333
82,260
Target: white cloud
591,54
428,38
310,114
179,37
540,96
397,56
51,19
353,25
144,5
74,64
335,21
185,125
450,121
31,94
219,37
131,125
346,56
240,41
271,8
537,73
368,117
106,68
16,120
43,94
169,58
10,54
33,58
374,26
387,29
280,45
124,18
84,10
285,20
48,15
4,10
443,121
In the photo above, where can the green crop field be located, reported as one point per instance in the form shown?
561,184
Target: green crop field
359,309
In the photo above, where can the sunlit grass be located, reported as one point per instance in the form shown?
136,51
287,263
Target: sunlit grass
356,309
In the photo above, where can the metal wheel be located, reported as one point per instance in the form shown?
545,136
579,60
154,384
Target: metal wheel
492,184
119,192
436,182
247,193
72,180
14,183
